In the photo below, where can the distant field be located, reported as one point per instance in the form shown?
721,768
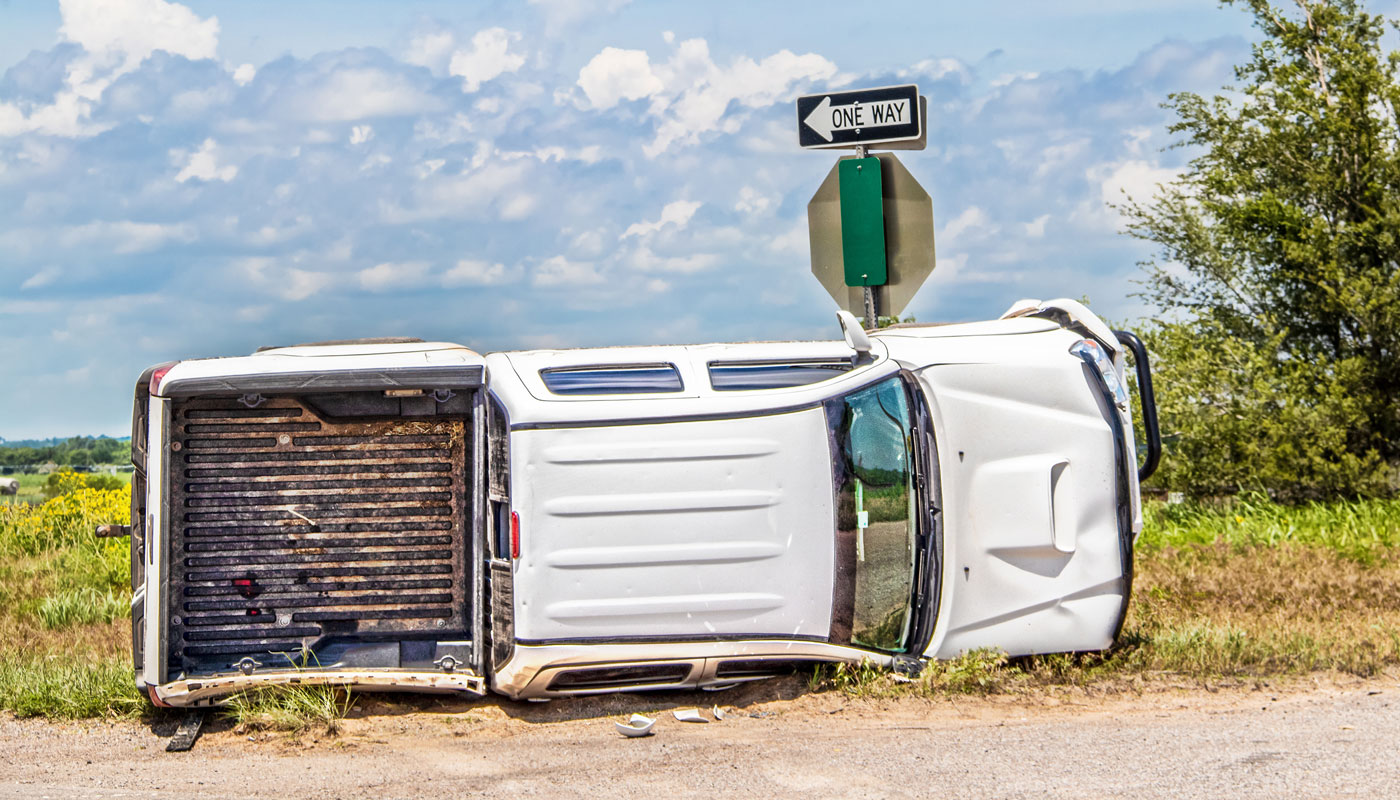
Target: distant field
31,488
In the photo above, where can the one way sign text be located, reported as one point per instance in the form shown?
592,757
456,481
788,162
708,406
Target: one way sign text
865,116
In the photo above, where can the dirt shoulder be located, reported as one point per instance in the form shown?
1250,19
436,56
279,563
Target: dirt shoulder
1322,736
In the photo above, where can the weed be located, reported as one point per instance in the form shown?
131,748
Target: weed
81,607
293,709
64,687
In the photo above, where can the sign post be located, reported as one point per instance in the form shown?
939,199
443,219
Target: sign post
870,223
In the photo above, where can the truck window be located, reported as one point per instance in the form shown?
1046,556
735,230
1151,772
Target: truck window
613,379
735,376
875,517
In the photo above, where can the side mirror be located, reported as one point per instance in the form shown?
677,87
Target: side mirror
856,337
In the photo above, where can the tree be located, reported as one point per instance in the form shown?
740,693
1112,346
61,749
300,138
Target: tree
1279,255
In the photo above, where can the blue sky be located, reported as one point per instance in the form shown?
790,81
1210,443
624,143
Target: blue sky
198,179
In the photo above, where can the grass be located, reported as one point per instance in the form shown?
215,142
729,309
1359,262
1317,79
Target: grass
1363,531
292,709
82,606
1245,590
65,640
68,687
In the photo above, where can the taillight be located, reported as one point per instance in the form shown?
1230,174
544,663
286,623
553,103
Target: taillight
514,534
157,376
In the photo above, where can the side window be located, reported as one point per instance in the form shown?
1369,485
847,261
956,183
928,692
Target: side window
875,519
613,379
742,376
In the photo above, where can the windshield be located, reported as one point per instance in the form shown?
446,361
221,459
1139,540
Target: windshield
875,517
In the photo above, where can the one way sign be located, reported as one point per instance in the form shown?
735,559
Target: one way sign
861,117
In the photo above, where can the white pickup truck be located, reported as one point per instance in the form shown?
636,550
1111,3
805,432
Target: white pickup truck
400,514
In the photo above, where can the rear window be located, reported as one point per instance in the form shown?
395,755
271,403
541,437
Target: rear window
613,379
740,376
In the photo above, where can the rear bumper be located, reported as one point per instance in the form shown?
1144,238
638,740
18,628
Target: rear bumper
214,690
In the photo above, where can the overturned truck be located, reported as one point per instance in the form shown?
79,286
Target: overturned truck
398,514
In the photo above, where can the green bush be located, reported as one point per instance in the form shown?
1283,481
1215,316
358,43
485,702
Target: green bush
1237,416
66,481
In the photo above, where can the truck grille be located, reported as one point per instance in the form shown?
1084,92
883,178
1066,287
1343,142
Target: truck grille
291,528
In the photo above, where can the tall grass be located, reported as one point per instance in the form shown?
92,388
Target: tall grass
61,589
1361,530
294,708
67,687
82,606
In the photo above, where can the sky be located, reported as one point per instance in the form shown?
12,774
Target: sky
198,179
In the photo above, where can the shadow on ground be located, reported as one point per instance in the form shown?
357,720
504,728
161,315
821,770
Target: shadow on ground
564,709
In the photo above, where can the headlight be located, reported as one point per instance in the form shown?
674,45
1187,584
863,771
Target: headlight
1094,355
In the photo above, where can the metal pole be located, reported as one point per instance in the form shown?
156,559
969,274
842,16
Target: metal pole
871,321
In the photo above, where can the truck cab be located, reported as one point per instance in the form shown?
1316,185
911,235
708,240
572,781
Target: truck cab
411,515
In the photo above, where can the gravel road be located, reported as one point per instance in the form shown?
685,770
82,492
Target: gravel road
1317,740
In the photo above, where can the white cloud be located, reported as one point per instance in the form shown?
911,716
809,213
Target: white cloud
126,236
42,278
752,201
300,284
116,36
644,260
393,275
488,57
973,220
1136,179
692,95
360,93
361,134
432,50
677,213
133,29
559,271
615,75
561,15
699,92
203,164
475,193
1036,228
938,68
1011,77
478,273
244,74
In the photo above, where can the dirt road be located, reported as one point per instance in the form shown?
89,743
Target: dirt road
1321,739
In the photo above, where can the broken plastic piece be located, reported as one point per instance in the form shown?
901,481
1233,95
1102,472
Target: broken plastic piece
688,715
719,713
188,731
636,726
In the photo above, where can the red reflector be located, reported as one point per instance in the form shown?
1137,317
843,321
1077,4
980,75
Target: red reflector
157,376
514,534
242,582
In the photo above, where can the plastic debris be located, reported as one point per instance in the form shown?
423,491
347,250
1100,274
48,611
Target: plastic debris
719,713
636,726
688,715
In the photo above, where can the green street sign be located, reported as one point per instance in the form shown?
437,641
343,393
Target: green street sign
908,220
862,222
